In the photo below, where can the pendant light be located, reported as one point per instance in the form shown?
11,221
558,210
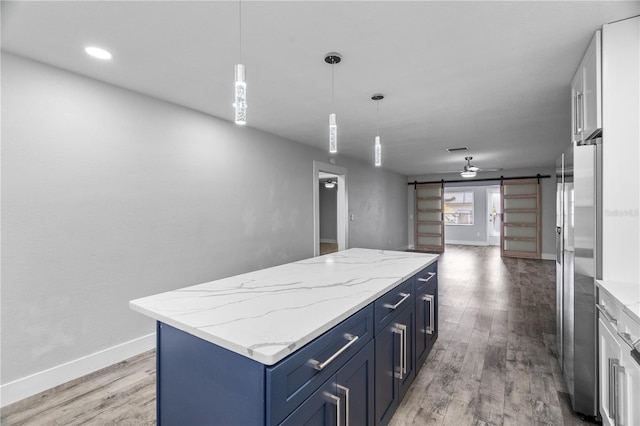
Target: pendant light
377,147
240,103
333,58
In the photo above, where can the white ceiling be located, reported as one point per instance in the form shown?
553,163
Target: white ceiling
491,75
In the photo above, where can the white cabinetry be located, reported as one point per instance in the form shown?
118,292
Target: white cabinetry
621,151
619,372
586,94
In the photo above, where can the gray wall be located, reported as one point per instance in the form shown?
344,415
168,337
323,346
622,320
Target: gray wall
548,201
328,199
109,195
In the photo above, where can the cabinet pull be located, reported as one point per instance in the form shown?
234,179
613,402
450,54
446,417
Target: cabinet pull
335,399
424,280
405,296
402,331
321,365
429,298
580,111
626,337
613,393
346,401
606,314
620,410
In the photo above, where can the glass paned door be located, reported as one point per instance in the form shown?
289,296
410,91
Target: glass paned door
429,214
521,219
494,213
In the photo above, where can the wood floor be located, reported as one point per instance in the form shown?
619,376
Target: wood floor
494,361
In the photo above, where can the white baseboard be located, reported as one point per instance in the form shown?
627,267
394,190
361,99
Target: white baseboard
468,243
28,386
326,240
548,256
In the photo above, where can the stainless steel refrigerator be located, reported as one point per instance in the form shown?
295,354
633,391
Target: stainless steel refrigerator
578,264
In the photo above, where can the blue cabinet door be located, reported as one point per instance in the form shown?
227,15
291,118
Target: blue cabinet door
394,364
407,321
426,331
387,368
322,408
355,383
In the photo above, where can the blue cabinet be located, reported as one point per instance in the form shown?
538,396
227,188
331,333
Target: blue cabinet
395,363
354,374
347,398
426,330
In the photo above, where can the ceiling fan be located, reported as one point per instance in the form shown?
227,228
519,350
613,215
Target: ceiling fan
469,171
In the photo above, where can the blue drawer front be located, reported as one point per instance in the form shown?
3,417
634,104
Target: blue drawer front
294,379
427,276
397,297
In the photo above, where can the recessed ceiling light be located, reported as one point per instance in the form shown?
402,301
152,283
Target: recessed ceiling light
97,52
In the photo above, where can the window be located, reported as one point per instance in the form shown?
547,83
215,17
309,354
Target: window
458,208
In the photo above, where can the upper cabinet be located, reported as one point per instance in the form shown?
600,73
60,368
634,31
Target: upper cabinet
586,94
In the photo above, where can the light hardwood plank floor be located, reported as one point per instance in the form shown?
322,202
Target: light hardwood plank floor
494,362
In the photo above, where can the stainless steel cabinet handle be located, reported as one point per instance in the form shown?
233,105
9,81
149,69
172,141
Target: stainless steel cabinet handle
429,298
335,399
405,296
626,337
580,110
320,365
606,314
619,401
404,345
402,331
424,280
346,401
613,384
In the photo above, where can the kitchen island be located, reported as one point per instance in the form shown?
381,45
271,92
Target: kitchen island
276,346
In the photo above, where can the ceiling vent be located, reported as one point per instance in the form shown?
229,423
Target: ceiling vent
459,149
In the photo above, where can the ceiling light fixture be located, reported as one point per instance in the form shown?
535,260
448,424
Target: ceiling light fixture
469,171
98,52
329,184
377,147
240,103
333,58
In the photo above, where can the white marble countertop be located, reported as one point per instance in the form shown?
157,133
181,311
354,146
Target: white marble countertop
628,294
266,315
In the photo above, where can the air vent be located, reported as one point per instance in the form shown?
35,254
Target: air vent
459,149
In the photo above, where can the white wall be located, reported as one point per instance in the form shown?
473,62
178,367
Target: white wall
548,201
109,195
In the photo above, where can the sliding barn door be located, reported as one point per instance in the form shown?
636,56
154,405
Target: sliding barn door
429,217
521,219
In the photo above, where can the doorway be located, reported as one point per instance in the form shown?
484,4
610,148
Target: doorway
323,172
494,215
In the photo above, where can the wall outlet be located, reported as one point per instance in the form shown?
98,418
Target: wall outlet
352,217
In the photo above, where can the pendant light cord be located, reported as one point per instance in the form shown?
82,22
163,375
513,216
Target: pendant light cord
240,27
378,118
332,92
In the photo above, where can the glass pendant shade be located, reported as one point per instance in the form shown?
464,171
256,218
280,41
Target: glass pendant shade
468,174
333,134
240,103
377,149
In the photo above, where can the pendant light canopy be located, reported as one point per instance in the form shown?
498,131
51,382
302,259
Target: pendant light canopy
377,146
333,58
240,101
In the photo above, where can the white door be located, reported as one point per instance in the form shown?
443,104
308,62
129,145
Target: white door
494,214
